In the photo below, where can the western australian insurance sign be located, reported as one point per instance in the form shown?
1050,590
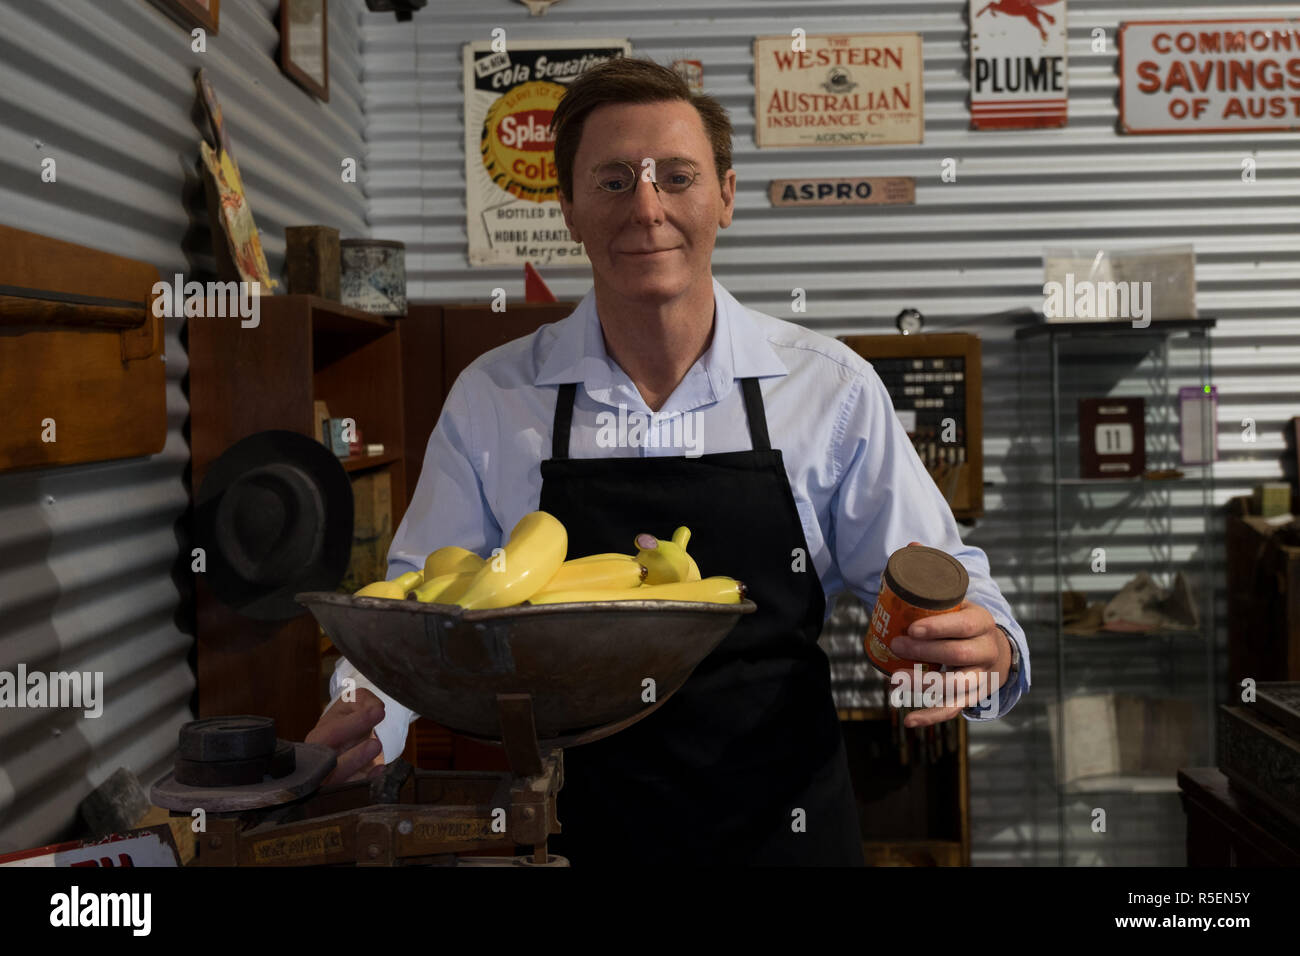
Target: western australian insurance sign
860,89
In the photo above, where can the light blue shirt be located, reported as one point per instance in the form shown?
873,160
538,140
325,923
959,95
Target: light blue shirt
861,491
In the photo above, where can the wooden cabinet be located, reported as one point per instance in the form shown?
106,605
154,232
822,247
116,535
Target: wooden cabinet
1227,828
936,384
438,342
246,380
1263,570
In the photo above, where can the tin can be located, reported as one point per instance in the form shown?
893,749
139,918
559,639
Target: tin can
373,275
918,582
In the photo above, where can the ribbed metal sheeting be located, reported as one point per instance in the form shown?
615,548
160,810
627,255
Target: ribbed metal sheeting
87,553
966,249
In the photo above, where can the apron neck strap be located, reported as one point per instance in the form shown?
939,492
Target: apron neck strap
757,417
568,392
563,420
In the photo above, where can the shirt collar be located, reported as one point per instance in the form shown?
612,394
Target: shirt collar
739,350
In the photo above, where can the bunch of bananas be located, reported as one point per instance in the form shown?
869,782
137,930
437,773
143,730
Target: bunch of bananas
532,568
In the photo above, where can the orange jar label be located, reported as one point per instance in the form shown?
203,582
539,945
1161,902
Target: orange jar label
891,617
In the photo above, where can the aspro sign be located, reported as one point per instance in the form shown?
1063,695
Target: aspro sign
1210,76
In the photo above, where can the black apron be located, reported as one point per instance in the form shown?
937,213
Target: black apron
717,773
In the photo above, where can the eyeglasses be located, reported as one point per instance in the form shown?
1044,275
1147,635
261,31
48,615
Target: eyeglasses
670,176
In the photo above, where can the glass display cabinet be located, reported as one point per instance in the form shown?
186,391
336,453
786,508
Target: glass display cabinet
1113,462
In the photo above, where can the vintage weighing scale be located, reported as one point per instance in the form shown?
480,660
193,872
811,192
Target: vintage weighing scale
531,679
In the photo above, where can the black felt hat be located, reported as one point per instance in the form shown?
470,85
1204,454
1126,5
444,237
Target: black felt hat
274,516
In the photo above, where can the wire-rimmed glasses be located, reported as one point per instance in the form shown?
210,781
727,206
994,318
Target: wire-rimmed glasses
670,175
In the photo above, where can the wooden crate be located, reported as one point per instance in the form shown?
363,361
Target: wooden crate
372,528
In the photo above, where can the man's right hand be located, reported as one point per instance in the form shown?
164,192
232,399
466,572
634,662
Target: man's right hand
348,730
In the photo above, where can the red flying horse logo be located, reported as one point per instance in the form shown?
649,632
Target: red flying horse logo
1023,8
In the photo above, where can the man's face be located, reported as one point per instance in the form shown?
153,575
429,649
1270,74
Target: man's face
646,245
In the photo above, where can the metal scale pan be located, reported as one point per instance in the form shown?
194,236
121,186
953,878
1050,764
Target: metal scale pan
582,664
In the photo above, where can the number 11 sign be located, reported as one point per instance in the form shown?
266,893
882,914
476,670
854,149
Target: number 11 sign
1112,439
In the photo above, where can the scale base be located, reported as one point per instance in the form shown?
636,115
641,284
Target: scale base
403,817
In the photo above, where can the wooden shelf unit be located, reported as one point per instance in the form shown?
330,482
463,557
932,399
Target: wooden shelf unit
247,380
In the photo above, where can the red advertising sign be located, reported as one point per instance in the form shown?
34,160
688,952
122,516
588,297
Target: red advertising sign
1018,64
512,209
1210,76
692,71
148,846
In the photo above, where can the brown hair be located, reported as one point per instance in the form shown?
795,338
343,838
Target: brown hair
629,80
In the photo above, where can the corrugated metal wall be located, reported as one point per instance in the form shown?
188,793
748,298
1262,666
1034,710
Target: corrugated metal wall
966,249
87,553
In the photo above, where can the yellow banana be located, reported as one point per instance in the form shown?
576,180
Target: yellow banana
383,589
448,560
718,589
532,555
409,581
680,537
444,589
714,590
603,556
615,571
665,561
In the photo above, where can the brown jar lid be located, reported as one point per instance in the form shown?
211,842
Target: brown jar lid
927,577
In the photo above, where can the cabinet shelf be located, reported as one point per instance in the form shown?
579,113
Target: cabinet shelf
334,318
1140,480
1120,784
863,713
364,462
1119,639
1110,328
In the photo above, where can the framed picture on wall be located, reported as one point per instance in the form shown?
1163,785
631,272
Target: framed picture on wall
304,45
193,13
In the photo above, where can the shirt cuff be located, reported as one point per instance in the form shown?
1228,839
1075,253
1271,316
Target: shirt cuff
1008,693
392,730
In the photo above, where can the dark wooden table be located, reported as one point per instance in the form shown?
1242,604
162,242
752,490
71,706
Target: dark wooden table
1227,828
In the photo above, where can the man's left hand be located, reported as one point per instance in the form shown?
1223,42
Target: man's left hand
966,640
